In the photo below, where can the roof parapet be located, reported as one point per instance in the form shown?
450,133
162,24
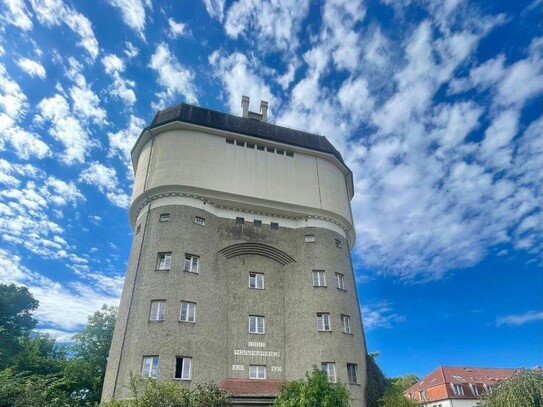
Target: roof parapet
261,116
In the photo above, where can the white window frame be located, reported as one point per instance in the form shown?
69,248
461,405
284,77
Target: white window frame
258,326
346,324
310,238
422,395
186,368
474,389
199,221
318,278
164,262
340,281
457,389
256,280
257,372
352,373
323,322
158,310
164,217
149,369
329,369
189,309
191,264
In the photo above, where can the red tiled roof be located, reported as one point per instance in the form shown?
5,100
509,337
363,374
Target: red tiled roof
252,387
438,383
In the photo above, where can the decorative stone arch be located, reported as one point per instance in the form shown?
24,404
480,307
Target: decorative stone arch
258,249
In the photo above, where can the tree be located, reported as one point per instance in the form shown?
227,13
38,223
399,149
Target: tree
39,354
394,390
154,393
314,391
86,369
16,321
524,388
377,382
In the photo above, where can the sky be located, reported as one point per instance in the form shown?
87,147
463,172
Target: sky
435,105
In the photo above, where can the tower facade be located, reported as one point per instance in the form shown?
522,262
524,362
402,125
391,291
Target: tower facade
240,270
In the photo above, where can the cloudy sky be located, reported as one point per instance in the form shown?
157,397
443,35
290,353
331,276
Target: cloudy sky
435,105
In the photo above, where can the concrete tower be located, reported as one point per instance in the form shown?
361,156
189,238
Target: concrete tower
240,270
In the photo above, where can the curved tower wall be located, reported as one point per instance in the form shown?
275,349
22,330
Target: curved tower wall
187,171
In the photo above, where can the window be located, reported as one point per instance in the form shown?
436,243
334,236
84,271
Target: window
249,145
240,143
458,389
422,394
474,389
257,223
323,321
191,263
346,324
257,372
256,280
240,221
338,243
329,369
158,310
340,282
256,325
182,368
274,225
199,221
188,312
165,217
164,261
411,396
270,149
290,154
229,141
282,152
310,239
319,279
150,367
260,147
352,372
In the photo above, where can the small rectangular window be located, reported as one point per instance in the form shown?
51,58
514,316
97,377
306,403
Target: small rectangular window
458,389
165,217
229,141
270,149
352,373
474,389
310,239
191,263
329,369
282,152
290,154
251,146
422,395
346,324
319,278
256,325
240,221
199,221
183,368
338,243
240,143
164,261
340,281
260,147
158,310
274,225
323,321
257,372
150,367
188,312
256,280
257,223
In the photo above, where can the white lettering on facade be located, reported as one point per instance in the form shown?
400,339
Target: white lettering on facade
276,369
264,353
257,344
238,367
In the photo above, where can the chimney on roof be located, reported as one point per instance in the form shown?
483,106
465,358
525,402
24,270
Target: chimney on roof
245,105
264,110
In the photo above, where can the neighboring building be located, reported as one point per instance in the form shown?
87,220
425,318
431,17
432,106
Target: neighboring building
449,386
240,270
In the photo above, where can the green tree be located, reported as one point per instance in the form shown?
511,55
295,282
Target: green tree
314,391
16,321
85,370
154,393
377,382
39,355
523,389
394,392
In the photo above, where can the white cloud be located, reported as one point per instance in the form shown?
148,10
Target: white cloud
31,67
86,104
175,78
121,143
131,51
112,63
105,179
25,144
215,8
133,14
16,13
12,100
380,315
121,88
176,29
520,319
55,12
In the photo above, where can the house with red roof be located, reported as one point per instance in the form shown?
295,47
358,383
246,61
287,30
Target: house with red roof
451,386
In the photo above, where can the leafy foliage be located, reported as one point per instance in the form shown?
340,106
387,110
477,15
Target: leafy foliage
154,393
524,388
314,391
377,381
393,396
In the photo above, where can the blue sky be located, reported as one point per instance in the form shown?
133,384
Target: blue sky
436,107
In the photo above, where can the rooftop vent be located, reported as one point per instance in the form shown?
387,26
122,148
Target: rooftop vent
262,116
